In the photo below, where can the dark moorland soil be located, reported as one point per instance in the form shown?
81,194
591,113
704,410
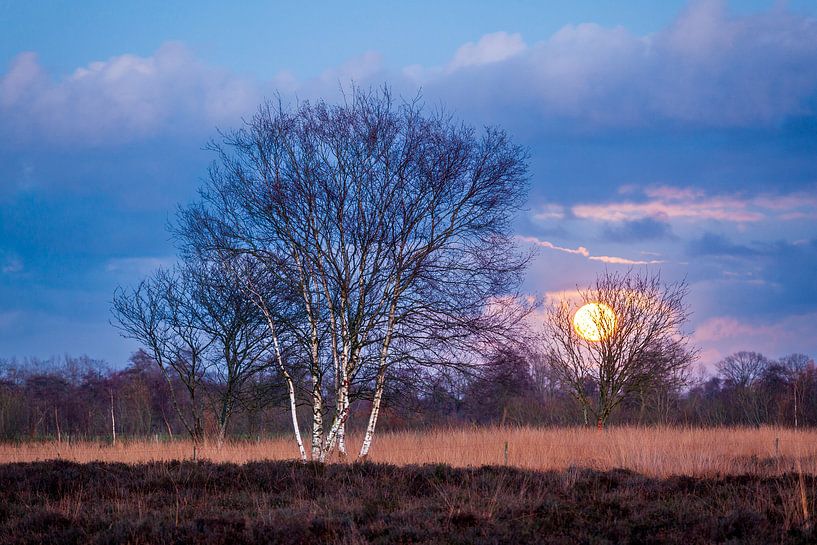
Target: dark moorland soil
282,502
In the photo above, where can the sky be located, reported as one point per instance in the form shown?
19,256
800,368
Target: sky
671,136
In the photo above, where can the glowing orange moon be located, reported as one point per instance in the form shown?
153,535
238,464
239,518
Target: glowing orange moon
594,321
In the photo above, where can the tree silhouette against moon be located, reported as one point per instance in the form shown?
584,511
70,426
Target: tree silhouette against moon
594,321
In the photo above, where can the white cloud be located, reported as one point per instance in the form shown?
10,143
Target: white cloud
584,252
709,68
362,68
121,98
490,48
581,250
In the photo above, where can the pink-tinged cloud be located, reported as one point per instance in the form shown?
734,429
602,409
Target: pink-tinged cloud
693,204
584,252
623,260
632,211
669,193
722,335
550,212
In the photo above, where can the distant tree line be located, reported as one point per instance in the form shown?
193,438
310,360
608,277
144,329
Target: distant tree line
73,398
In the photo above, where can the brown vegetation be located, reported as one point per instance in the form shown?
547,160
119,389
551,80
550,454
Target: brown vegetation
652,451
292,503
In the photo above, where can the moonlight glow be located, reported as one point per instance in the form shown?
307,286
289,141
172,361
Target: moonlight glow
594,321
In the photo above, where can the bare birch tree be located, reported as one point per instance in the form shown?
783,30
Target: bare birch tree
240,338
640,343
389,228
796,364
197,323
159,314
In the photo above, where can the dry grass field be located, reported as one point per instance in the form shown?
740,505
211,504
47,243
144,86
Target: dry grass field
570,485
653,451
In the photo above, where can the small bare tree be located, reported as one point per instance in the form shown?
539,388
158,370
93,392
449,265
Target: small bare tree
240,338
635,339
197,323
159,313
795,365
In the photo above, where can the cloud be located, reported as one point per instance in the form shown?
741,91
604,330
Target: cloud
713,244
693,204
130,97
637,230
581,250
624,261
709,68
491,48
365,67
124,97
715,209
720,336
550,212
673,193
584,252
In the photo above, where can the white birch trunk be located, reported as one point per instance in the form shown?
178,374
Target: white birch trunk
378,397
317,395
342,430
317,398
379,385
113,423
293,406
343,399
338,423
317,420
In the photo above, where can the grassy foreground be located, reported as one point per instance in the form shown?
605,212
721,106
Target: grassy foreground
652,451
64,502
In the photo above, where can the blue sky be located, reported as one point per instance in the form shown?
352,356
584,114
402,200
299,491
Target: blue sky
673,135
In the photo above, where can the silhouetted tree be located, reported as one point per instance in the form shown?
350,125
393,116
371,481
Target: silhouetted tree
640,344
742,372
161,314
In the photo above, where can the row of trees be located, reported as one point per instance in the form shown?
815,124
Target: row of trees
72,398
343,255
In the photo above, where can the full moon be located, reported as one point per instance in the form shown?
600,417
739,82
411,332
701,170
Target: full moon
594,321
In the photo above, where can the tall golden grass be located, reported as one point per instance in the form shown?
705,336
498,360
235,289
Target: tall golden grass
654,451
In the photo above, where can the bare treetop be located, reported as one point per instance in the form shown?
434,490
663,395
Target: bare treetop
637,338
